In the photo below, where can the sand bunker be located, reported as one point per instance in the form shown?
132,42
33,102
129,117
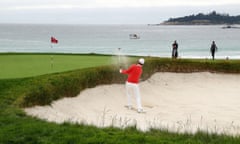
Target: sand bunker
179,102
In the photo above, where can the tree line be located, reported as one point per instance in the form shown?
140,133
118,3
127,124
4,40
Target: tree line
210,18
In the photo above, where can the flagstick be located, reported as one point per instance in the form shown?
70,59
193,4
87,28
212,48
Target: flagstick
51,58
53,41
119,57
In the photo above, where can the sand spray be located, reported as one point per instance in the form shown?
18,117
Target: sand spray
119,59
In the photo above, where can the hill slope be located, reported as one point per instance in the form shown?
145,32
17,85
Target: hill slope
204,19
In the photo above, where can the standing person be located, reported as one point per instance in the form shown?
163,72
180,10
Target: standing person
213,49
134,73
175,49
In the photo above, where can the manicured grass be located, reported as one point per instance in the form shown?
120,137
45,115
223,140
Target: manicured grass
18,128
27,65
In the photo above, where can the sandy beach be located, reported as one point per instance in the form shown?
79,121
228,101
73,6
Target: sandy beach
179,102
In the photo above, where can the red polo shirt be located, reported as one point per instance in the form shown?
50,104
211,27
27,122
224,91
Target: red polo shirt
134,72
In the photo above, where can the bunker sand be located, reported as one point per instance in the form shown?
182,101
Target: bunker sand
179,102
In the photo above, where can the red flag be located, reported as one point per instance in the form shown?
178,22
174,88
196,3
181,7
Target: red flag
54,40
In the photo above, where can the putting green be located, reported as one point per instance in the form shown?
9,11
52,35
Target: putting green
27,65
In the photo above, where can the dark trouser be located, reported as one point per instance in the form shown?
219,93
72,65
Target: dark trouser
213,54
174,53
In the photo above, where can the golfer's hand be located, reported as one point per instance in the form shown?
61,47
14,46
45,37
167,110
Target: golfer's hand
120,70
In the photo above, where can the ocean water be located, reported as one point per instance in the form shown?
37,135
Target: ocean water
194,41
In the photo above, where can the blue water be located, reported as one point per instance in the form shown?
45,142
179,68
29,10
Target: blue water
194,41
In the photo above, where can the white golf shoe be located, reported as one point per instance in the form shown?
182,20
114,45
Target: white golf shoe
141,111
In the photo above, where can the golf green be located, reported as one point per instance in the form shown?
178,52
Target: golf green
28,65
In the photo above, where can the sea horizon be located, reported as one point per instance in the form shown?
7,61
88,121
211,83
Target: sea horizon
194,41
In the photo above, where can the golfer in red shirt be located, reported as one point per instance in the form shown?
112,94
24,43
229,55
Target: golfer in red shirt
134,73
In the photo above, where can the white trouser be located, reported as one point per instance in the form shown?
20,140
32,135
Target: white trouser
133,89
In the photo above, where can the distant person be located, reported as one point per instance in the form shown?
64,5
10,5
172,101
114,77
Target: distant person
213,49
175,49
134,73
